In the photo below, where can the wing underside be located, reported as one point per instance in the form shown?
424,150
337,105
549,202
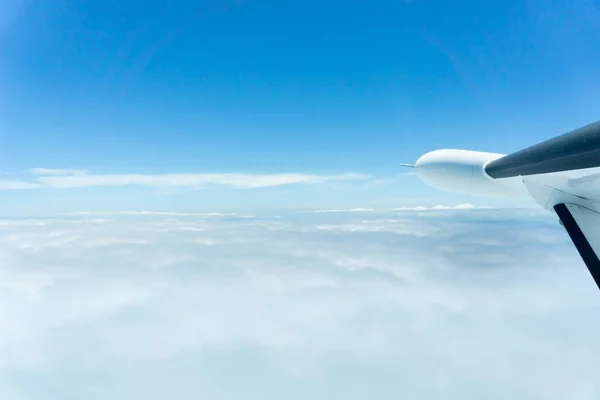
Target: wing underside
583,226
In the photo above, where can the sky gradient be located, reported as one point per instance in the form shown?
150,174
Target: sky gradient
203,200
313,88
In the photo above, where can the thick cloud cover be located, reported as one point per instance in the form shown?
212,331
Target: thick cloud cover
455,304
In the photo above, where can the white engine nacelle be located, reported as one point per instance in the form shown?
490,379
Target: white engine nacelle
463,171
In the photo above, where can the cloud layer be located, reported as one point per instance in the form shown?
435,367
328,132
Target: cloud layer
68,178
464,206
455,304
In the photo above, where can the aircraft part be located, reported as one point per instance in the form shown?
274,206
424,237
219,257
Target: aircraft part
463,171
581,223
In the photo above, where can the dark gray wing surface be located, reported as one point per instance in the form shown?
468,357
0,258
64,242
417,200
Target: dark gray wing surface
577,149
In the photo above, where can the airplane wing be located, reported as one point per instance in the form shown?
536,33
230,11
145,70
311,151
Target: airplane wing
575,150
563,175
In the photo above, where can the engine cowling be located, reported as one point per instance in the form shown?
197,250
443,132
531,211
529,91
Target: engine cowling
463,171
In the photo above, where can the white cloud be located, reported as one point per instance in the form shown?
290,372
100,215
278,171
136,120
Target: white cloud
465,206
192,180
154,213
65,179
49,171
339,305
17,185
342,211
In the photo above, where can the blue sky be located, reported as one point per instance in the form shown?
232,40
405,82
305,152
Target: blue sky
320,89
112,108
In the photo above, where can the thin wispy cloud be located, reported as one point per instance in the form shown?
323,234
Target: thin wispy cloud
6,184
193,181
464,206
154,213
69,179
351,210
50,171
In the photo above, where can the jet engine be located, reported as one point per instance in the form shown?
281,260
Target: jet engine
463,171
